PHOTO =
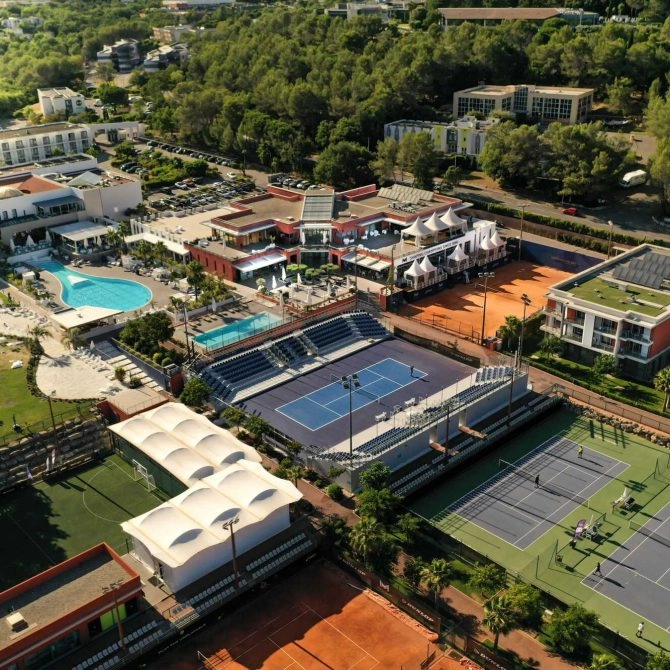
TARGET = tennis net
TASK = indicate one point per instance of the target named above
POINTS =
(639, 528)
(505, 466)
(369, 394)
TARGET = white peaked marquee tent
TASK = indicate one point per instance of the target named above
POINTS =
(184, 537)
(418, 230)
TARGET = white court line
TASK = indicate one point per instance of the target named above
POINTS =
(288, 416)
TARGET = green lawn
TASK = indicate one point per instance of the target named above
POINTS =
(537, 563)
(18, 404)
(47, 523)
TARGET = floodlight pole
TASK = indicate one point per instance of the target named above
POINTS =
(523, 211)
(229, 525)
(517, 364)
(188, 351)
(526, 301)
(485, 276)
(349, 382)
(113, 588)
(53, 422)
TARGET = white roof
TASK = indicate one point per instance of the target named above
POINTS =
(226, 481)
(415, 270)
(497, 240)
(172, 246)
(426, 265)
(80, 316)
(457, 255)
(418, 229)
(435, 224)
(452, 219)
(80, 230)
(186, 444)
(486, 244)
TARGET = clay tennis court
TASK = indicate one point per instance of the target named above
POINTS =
(317, 619)
(460, 309)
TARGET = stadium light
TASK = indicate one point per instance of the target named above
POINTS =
(53, 422)
(229, 525)
(349, 383)
(523, 211)
(113, 588)
(519, 354)
(609, 239)
(485, 276)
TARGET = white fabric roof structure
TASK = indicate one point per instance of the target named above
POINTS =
(435, 224)
(418, 229)
(426, 265)
(451, 219)
(458, 255)
(176, 248)
(80, 230)
(486, 244)
(415, 270)
(497, 240)
(185, 535)
(80, 316)
(87, 178)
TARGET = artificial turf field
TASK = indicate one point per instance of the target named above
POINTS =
(629, 559)
(45, 524)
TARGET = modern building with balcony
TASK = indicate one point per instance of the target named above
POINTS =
(545, 103)
(620, 307)
(124, 55)
(19, 146)
(62, 102)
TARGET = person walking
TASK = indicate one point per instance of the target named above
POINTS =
(537, 481)
(597, 572)
(580, 451)
(640, 629)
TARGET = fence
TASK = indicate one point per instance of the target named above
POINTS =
(450, 326)
(448, 350)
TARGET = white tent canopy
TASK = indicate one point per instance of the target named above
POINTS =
(486, 244)
(185, 536)
(415, 270)
(418, 229)
(451, 219)
(458, 255)
(435, 224)
(497, 240)
(426, 265)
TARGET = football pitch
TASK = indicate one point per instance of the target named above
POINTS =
(562, 498)
(45, 524)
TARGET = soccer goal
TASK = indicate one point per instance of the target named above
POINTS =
(141, 473)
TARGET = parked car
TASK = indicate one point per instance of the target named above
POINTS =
(572, 211)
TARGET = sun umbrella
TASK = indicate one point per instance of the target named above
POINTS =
(274, 282)
(283, 273)
(299, 279)
(30, 242)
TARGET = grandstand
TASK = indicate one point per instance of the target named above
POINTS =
(241, 376)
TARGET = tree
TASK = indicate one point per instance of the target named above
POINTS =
(436, 576)
(335, 531)
(662, 383)
(571, 629)
(344, 165)
(233, 415)
(412, 571)
(195, 392)
(72, 339)
(387, 155)
(452, 176)
(499, 617)
(145, 333)
(105, 72)
(366, 538)
(604, 364)
(257, 426)
(418, 154)
(659, 661)
(38, 333)
(619, 95)
(527, 603)
(409, 525)
(378, 504)
(294, 473)
(377, 476)
(195, 276)
(551, 346)
(488, 579)
(605, 662)
(511, 331)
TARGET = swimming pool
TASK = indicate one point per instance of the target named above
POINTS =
(240, 330)
(79, 289)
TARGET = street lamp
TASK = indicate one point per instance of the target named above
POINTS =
(349, 383)
(609, 239)
(188, 351)
(526, 301)
(355, 276)
(113, 588)
(523, 211)
(485, 276)
(228, 525)
(53, 422)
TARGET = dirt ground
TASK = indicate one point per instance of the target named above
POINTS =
(461, 308)
(317, 619)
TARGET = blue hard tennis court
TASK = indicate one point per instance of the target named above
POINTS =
(331, 402)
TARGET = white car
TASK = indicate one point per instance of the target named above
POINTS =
(231, 175)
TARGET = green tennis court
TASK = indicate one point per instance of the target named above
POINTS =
(556, 561)
(44, 524)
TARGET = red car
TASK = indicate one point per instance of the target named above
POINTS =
(572, 211)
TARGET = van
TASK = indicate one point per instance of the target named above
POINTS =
(634, 178)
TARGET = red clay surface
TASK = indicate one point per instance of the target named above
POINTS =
(317, 619)
(460, 309)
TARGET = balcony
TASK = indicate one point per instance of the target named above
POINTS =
(554, 330)
(572, 337)
(608, 330)
(636, 355)
(603, 346)
(636, 336)
(577, 320)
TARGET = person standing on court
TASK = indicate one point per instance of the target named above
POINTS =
(597, 572)
(537, 481)
(411, 371)
(580, 451)
(640, 629)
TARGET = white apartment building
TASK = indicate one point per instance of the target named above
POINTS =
(465, 136)
(124, 55)
(61, 101)
(34, 143)
(546, 103)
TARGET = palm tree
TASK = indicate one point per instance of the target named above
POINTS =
(662, 383)
(436, 575)
(366, 538)
(499, 617)
(551, 346)
(72, 339)
(38, 333)
(294, 473)
(161, 252)
(605, 662)
(195, 276)
(511, 330)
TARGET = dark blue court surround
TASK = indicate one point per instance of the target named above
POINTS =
(330, 403)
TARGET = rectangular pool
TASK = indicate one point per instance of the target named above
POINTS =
(240, 330)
